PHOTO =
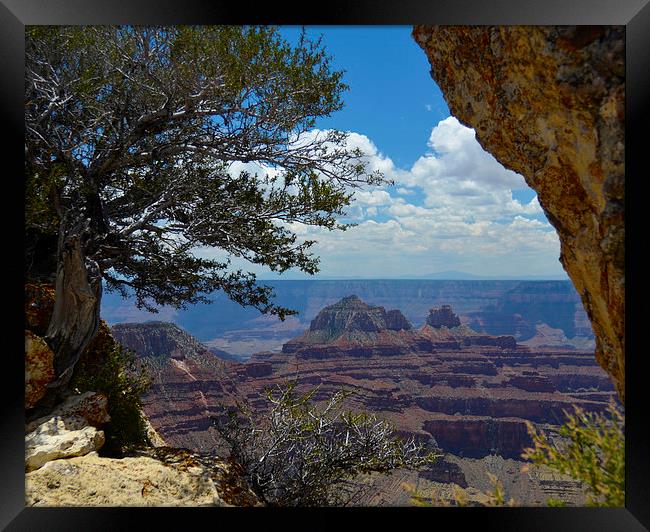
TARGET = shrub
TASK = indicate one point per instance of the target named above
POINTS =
(302, 455)
(590, 447)
(109, 368)
(460, 497)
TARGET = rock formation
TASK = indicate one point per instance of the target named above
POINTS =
(351, 327)
(39, 368)
(548, 103)
(164, 476)
(39, 357)
(488, 306)
(351, 314)
(442, 317)
(157, 339)
(470, 391)
(133, 481)
(70, 430)
(189, 382)
(63, 437)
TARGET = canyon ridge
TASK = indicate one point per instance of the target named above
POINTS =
(451, 387)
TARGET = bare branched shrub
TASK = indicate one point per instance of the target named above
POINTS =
(304, 455)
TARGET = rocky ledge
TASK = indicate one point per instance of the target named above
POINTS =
(549, 103)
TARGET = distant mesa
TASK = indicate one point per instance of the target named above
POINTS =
(470, 391)
(443, 317)
(396, 321)
(351, 326)
(352, 314)
(163, 339)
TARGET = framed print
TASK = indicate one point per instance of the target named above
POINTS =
(425, 202)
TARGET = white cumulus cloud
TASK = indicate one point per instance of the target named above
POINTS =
(453, 209)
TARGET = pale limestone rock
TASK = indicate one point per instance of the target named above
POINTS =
(154, 437)
(90, 406)
(60, 437)
(94, 481)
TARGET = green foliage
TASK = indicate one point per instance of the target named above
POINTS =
(301, 454)
(555, 503)
(589, 447)
(114, 372)
(155, 142)
(498, 496)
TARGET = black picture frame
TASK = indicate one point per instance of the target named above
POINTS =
(634, 14)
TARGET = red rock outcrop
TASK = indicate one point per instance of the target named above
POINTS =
(39, 358)
(548, 103)
(39, 368)
(352, 328)
(471, 387)
(442, 317)
(469, 436)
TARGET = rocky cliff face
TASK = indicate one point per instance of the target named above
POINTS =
(157, 339)
(470, 391)
(189, 382)
(351, 314)
(548, 103)
(351, 327)
(490, 306)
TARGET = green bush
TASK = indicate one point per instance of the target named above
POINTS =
(113, 371)
(589, 447)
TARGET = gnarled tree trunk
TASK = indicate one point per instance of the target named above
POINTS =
(75, 318)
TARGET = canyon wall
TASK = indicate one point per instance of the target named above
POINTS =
(548, 103)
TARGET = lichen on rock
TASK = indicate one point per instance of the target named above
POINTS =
(548, 103)
(134, 481)
(39, 368)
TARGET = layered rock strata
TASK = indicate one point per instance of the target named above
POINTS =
(468, 397)
(353, 328)
(189, 382)
(471, 392)
(548, 103)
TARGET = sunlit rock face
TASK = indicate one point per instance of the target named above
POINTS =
(548, 103)
(351, 327)
(471, 391)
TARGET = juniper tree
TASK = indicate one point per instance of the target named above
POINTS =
(131, 140)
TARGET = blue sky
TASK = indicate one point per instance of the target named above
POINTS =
(453, 206)
(390, 87)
